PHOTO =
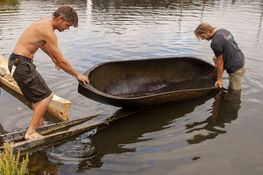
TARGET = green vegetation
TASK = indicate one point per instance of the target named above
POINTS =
(10, 164)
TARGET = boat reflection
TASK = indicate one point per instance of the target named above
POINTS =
(224, 110)
(149, 121)
(88, 150)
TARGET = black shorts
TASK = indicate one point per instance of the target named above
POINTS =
(31, 83)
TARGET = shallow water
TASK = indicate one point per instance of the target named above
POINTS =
(211, 135)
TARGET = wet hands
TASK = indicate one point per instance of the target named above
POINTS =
(83, 79)
(219, 83)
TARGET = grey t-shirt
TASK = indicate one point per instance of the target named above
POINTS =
(223, 43)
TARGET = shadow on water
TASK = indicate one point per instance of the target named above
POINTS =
(89, 149)
(225, 110)
(134, 128)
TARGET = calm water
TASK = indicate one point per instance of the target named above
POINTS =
(211, 135)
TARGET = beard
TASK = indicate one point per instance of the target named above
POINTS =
(60, 28)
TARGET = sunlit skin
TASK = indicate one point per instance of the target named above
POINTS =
(218, 60)
(41, 34)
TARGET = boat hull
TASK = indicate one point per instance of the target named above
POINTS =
(149, 82)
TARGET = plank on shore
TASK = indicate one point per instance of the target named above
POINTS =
(58, 107)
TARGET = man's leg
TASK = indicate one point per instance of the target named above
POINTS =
(41, 121)
(39, 109)
(235, 79)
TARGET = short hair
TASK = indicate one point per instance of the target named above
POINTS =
(68, 14)
(203, 28)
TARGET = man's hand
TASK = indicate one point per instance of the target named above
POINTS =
(83, 79)
(219, 83)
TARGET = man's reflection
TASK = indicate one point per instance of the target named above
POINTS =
(224, 110)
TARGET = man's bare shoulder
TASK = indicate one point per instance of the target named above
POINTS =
(42, 28)
(42, 24)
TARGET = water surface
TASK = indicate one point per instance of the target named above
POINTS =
(211, 135)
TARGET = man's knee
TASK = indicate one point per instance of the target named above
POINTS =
(51, 96)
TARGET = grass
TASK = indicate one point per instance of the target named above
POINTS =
(11, 164)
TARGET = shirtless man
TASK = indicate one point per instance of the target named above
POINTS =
(41, 34)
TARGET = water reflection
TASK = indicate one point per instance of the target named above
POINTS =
(39, 164)
(141, 3)
(260, 23)
(144, 29)
(130, 130)
(9, 2)
(202, 10)
(224, 110)
(88, 151)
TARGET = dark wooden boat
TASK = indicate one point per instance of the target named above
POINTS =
(149, 82)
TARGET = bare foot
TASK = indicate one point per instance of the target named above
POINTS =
(33, 136)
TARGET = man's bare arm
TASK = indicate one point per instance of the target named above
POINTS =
(55, 53)
(219, 62)
(45, 49)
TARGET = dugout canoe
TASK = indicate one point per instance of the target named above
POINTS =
(149, 82)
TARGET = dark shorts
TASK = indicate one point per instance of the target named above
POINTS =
(31, 83)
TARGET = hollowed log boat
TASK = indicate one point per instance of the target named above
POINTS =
(149, 82)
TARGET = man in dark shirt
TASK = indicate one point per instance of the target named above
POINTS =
(227, 54)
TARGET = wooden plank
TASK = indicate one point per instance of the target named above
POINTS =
(58, 107)
(62, 136)
(45, 130)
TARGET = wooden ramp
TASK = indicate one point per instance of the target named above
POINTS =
(58, 133)
(58, 107)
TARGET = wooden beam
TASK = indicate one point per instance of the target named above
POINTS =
(53, 136)
(44, 130)
(58, 107)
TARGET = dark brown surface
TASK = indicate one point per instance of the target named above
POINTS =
(148, 82)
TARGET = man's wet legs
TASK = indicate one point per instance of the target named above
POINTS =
(39, 110)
